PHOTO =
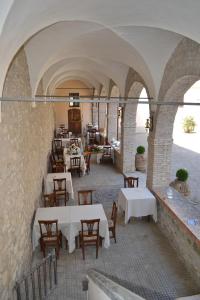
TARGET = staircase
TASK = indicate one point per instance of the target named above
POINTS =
(39, 282)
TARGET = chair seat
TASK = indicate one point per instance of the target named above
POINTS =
(88, 238)
(49, 239)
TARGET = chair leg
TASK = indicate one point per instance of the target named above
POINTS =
(83, 250)
(114, 235)
(97, 248)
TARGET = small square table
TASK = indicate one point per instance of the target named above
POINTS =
(49, 182)
(137, 202)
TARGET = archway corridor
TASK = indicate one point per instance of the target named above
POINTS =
(83, 84)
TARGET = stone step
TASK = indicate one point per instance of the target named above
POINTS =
(195, 297)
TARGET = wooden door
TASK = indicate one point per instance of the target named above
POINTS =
(74, 120)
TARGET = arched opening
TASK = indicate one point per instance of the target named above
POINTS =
(141, 117)
(134, 118)
(186, 148)
(113, 117)
(65, 113)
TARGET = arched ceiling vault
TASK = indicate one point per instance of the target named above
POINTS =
(120, 34)
(64, 76)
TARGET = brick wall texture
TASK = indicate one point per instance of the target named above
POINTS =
(25, 134)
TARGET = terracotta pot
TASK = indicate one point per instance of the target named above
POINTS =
(140, 162)
(181, 186)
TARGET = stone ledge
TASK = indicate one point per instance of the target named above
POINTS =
(183, 210)
(179, 221)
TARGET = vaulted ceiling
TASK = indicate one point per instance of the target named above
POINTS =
(95, 41)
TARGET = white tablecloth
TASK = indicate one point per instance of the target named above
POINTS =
(67, 161)
(69, 222)
(49, 182)
(137, 202)
(66, 142)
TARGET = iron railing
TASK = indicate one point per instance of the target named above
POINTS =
(39, 282)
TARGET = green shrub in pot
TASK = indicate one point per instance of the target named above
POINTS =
(182, 175)
(140, 149)
(140, 160)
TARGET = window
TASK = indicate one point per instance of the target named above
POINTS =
(74, 96)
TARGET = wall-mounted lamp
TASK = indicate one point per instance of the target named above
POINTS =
(119, 112)
(149, 124)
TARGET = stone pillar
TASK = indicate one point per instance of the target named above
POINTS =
(112, 121)
(159, 161)
(128, 144)
(95, 113)
(102, 116)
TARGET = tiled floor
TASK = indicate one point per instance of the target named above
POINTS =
(141, 260)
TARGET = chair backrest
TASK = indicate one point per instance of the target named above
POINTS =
(59, 168)
(75, 162)
(58, 144)
(114, 213)
(59, 184)
(85, 197)
(131, 182)
(74, 141)
(90, 228)
(49, 200)
(48, 228)
(92, 134)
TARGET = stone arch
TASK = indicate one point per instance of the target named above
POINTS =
(112, 115)
(181, 72)
(128, 142)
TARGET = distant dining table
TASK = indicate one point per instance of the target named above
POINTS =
(137, 202)
(69, 218)
(67, 160)
(49, 182)
(66, 142)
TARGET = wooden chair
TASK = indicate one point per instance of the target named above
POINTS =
(112, 221)
(58, 148)
(87, 156)
(89, 235)
(75, 165)
(85, 197)
(56, 164)
(74, 141)
(50, 236)
(60, 190)
(131, 182)
(107, 154)
(92, 137)
(59, 168)
(49, 200)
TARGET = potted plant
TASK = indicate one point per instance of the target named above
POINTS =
(140, 160)
(189, 124)
(180, 183)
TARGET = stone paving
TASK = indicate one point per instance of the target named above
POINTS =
(141, 260)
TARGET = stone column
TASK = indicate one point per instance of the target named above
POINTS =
(95, 113)
(112, 121)
(102, 116)
(128, 143)
(159, 161)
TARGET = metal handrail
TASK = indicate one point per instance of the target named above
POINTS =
(39, 282)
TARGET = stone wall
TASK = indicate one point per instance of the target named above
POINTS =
(186, 245)
(26, 135)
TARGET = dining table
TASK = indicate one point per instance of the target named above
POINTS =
(49, 182)
(67, 141)
(67, 160)
(137, 202)
(69, 222)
